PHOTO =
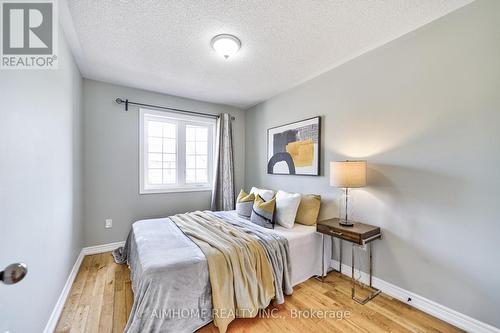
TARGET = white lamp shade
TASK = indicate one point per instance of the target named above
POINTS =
(348, 174)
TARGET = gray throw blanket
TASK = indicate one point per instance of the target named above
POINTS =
(170, 278)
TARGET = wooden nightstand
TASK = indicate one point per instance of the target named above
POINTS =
(358, 235)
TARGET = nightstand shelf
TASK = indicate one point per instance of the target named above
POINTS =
(359, 234)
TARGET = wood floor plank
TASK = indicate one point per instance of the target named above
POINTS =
(106, 317)
(98, 294)
(80, 320)
(120, 314)
(101, 299)
(90, 282)
(70, 308)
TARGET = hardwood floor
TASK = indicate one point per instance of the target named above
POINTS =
(101, 299)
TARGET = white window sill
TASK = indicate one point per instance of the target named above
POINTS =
(176, 190)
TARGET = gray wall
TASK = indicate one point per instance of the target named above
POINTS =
(111, 161)
(40, 209)
(424, 110)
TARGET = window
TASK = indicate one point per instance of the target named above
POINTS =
(176, 152)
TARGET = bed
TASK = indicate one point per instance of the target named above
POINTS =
(172, 283)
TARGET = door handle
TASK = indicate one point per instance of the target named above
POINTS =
(13, 273)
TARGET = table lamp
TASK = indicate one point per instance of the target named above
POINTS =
(347, 174)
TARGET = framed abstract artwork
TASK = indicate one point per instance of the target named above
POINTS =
(294, 149)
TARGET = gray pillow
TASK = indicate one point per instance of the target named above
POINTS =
(244, 203)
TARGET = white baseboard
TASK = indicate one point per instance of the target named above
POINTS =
(442, 312)
(101, 248)
(56, 313)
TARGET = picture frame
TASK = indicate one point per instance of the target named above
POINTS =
(295, 148)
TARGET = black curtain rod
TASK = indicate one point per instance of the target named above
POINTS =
(127, 103)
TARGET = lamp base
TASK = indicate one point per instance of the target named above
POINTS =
(346, 223)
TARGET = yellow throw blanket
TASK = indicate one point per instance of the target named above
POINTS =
(241, 275)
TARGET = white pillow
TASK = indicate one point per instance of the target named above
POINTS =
(264, 194)
(287, 205)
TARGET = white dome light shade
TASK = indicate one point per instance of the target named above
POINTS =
(226, 45)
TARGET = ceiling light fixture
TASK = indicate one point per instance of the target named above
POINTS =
(226, 45)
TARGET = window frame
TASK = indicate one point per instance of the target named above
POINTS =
(181, 121)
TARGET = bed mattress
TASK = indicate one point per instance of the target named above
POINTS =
(305, 251)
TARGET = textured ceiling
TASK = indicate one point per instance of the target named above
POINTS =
(164, 46)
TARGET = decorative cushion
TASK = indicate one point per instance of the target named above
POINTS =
(286, 208)
(308, 209)
(264, 194)
(263, 212)
(244, 203)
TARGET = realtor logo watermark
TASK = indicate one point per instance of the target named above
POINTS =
(29, 34)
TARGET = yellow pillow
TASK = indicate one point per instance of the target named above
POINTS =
(245, 197)
(263, 212)
(308, 209)
(244, 203)
(267, 206)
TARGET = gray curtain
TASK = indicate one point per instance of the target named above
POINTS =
(223, 191)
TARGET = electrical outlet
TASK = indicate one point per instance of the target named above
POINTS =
(108, 223)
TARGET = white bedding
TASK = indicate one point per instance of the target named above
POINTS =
(305, 251)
